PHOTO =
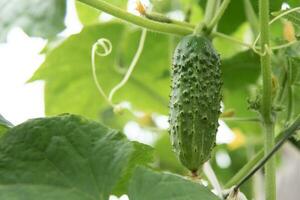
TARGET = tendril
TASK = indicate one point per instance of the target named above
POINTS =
(132, 65)
(106, 46)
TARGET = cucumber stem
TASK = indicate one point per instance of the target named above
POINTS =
(218, 16)
(266, 105)
(172, 29)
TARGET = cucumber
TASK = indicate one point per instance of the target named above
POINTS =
(195, 100)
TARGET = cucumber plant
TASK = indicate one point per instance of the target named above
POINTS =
(206, 62)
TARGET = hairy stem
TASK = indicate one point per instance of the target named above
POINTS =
(140, 21)
(266, 104)
(241, 119)
(270, 170)
(265, 62)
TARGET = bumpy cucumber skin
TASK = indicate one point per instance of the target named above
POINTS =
(195, 100)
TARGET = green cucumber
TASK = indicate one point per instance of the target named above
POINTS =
(195, 100)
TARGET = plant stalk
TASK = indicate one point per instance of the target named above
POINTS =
(210, 10)
(266, 104)
(270, 170)
(172, 29)
(218, 15)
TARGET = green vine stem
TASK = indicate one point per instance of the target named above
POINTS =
(247, 167)
(241, 119)
(162, 18)
(287, 135)
(210, 10)
(251, 16)
(172, 29)
(218, 15)
(266, 104)
(131, 67)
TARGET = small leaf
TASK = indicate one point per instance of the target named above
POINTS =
(149, 185)
(64, 158)
(36, 17)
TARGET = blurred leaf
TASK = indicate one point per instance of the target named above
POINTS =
(239, 72)
(165, 5)
(36, 17)
(68, 75)
(119, 3)
(142, 155)
(222, 44)
(87, 14)
(4, 125)
(66, 157)
(294, 63)
(149, 185)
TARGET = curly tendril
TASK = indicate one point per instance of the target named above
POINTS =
(132, 65)
(106, 46)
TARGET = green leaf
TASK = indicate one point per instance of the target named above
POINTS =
(36, 17)
(143, 154)
(65, 157)
(4, 125)
(148, 185)
(68, 75)
(87, 14)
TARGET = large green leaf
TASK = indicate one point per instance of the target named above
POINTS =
(37, 17)
(65, 158)
(148, 185)
(68, 75)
